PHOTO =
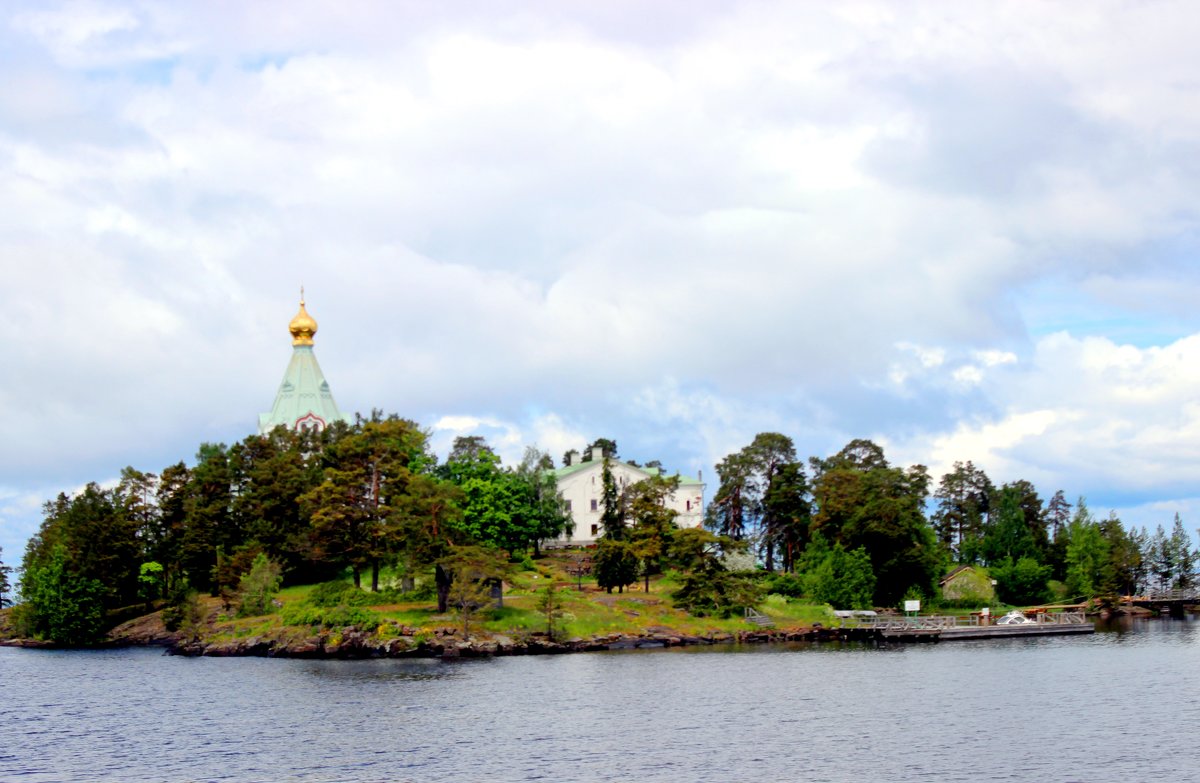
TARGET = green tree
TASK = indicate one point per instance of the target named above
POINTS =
(653, 521)
(5, 585)
(708, 587)
(844, 580)
(787, 515)
(550, 605)
(209, 523)
(513, 509)
(733, 506)
(612, 509)
(64, 606)
(258, 587)
(364, 491)
(1058, 515)
(172, 498)
(607, 446)
(427, 523)
(1182, 555)
(270, 473)
(99, 542)
(1022, 582)
(1009, 536)
(1124, 557)
(964, 501)
(544, 513)
(1088, 558)
(615, 564)
(150, 581)
(476, 578)
(1161, 557)
(862, 501)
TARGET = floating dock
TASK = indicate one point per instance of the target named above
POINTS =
(933, 628)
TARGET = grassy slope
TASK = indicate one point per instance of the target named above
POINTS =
(587, 613)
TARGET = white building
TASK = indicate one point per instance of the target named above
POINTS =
(582, 487)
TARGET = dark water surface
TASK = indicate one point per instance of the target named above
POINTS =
(1117, 706)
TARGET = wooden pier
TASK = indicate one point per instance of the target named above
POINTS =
(1173, 602)
(948, 628)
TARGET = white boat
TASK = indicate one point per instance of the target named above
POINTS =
(1015, 618)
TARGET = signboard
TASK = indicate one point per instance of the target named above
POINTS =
(985, 611)
(912, 606)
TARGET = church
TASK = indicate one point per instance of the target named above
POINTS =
(304, 400)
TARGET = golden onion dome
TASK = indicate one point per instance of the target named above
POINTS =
(302, 327)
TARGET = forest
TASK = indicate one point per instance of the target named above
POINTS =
(853, 518)
(359, 501)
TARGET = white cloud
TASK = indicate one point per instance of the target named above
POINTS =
(558, 223)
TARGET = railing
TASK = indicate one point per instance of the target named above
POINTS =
(1189, 594)
(758, 618)
(939, 622)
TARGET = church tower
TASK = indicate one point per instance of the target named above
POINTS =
(303, 400)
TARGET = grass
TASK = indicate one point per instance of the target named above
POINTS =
(586, 613)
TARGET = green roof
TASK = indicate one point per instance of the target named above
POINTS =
(304, 393)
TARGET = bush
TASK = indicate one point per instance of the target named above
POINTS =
(329, 617)
(1023, 582)
(715, 591)
(337, 593)
(258, 587)
(61, 606)
(789, 585)
(842, 579)
(178, 606)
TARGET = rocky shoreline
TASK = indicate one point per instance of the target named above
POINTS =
(352, 643)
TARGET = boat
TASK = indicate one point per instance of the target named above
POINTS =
(1015, 617)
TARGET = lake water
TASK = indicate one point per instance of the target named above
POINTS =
(1117, 706)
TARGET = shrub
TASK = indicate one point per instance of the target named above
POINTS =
(337, 593)
(180, 604)
(257, 588)
(1022, 582)
(790, 585)
(329, 617)
(715, 591)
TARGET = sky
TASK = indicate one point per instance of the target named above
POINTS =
(965, 230)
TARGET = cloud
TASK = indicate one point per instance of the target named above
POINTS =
(1085, 415)
(942, 227)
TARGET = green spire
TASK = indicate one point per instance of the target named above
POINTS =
(304, 400)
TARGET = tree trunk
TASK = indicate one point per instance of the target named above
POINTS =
(443, 588)
(374, 576)
(406, 584)
(357, 578)
(647, 575)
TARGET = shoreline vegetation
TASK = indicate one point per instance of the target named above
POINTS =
(585, 618)
(357, 540)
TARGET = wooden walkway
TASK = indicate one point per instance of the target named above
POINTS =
(947, 627)
(1172, 601)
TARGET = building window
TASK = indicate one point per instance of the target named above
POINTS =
(594, 504)
(689, 505)
(595, 530)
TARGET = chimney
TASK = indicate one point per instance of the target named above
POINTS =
(571, 455)
(597, 454)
